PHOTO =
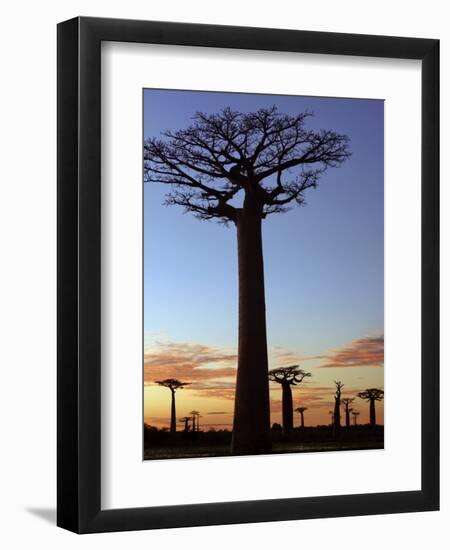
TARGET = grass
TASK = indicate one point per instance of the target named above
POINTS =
(211, 450)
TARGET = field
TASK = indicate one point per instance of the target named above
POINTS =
(159, 444)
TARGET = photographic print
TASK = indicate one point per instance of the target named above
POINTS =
(263, 274)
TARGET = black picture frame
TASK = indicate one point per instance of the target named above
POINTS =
(79, 280)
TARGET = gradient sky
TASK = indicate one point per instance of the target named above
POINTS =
(323, 273)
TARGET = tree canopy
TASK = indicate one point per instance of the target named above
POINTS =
(292, 376)
(271, 155)
(172, 383)
(372, 394)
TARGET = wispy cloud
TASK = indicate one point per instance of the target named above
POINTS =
(211, 371)
(363, 352)
(283, 357)
(204, 367)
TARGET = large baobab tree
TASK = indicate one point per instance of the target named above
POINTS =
(371, 395)
(301, 410)
(173, 386)
(347, 401)
(287, 377)
(337, 409)
(355, 415)
(240, 168)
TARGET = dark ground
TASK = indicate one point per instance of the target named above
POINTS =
(159, 444)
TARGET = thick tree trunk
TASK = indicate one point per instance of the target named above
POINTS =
(251, 426)
(288, 415)
(372, 413)
(303, 420)
(173, 418)
(347, 417)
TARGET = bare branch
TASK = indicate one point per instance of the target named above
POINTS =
(172, 383)
(372, 394)
(292, 376)
(266, 154)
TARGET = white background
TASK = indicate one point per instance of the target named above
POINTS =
(28, 274)
(126, 480)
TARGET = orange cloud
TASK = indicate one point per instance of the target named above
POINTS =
(204, 367)
(211, 371)
(363, 352)
(284, 357)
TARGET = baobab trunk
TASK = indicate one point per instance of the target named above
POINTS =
(288, 418)
(251, 426)
(372, 413)
(347, 417)
(173, 421)
(303, 420)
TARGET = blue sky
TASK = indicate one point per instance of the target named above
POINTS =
(323, 261)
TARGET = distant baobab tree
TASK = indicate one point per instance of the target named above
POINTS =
(301, 410)
(287, 377)
(185, 420)
(347, 401)
(195, 420)
(331, 413)
(173, 386)
(371, 395)
(355, 415)
(337, 409)
(270, 160)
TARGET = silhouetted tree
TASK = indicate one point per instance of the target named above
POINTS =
(185, 420)
(287, 377)
(337, 409)
(371, 395)
(331, 413)
(347, 401)
(355, 415)
(270, 160)
(173, 386)
(301, 410)
(195, 416)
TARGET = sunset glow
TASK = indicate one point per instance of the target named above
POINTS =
(212, 372)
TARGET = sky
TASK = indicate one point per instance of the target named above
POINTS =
(323, 265)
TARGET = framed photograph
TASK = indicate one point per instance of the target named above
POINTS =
(248, 274)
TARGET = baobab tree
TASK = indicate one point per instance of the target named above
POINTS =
(185, 420)
(301, 410)
(371, 395)
(287, 377)
(331, 413)
(355, 415)
(195, 420)
(337, 409)
(173, 386)
(265, 161)
(347, 401)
